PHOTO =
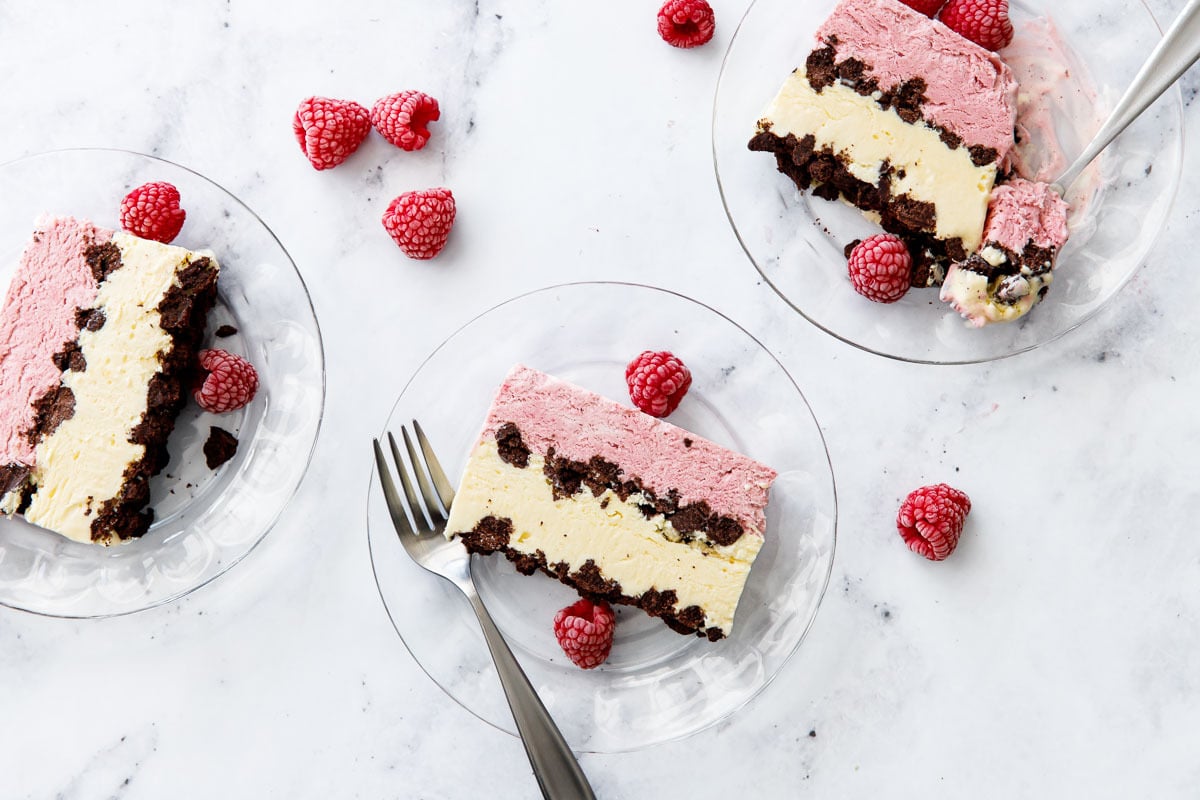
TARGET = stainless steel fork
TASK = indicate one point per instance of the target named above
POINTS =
(557, 772)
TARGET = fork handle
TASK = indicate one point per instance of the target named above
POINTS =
(554, 765)
(1174, 54)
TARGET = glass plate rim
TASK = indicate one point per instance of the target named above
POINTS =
(170, 598)
(373, 481)
(1175, 99)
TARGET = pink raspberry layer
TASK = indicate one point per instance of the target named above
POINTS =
(38, 318)
(1021, 211)
(969, 90)
(580, 424)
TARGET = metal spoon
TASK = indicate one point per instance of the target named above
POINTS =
(1178, 50)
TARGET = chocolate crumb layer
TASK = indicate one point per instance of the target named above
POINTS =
(220, 446)
(182, 311)
(492, 535)
(1030, 262)
(826, 173)
(1013, 274)
(907, 98)
(568, 478)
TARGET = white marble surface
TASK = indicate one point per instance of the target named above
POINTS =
(1054, 655)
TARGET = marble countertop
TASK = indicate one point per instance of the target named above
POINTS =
(1055, 654)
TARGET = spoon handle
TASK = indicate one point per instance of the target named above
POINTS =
(1178, 50)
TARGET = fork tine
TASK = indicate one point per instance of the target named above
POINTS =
(444, 489)
(414, 503)
(394, 504)
(431, 503)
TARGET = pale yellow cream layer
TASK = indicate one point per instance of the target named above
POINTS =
(856, 126)
(981, 301)
(83, 462)
(638, 552)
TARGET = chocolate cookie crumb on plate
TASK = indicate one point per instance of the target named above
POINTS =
(220, 447)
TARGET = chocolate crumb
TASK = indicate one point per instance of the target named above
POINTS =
(220, 447)
(91, 319)
(102, 259)
(225, 331)
(511, 446)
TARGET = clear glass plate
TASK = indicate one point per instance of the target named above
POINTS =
(657, 685)
(205, 521)
(796, 241)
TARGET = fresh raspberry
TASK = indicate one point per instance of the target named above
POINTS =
(657, 382)
(421, 221)
(686, 23)
(926, 7)
(403, 118)
(229, 381)
(330, 130)
(152, 211)
(585, 632)
(931, 520)
(984, 22)
(880, 268)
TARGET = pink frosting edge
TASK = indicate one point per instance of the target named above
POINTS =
(969, 90)
(51, 281)
(1023, 211)
(581, 424)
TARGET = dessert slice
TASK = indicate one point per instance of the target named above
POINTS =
(1026, 227)
(620, 505)
(97, 336)
(900, 116)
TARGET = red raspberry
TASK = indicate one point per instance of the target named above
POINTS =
(931, 520)
(152, 211)
(686, 23)
(984, 22)
(880, 268)
(585, 632)
(421, 221)
(403, 118)
(229, 381)
(657, 382)
(926, 7)
(330, 130)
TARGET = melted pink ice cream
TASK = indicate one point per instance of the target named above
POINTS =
(1022, 211)
(969, 90)
(580, 424)
(51, 282)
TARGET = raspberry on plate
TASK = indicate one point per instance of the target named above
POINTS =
(330, 130)
(931, 520)
(686, 23)
(420, 222)
(926, 7)
(984, 22)
(585, 632)
(657, 382)
(880, 268)
(229, 383)
(403, 118)
(152, 211)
